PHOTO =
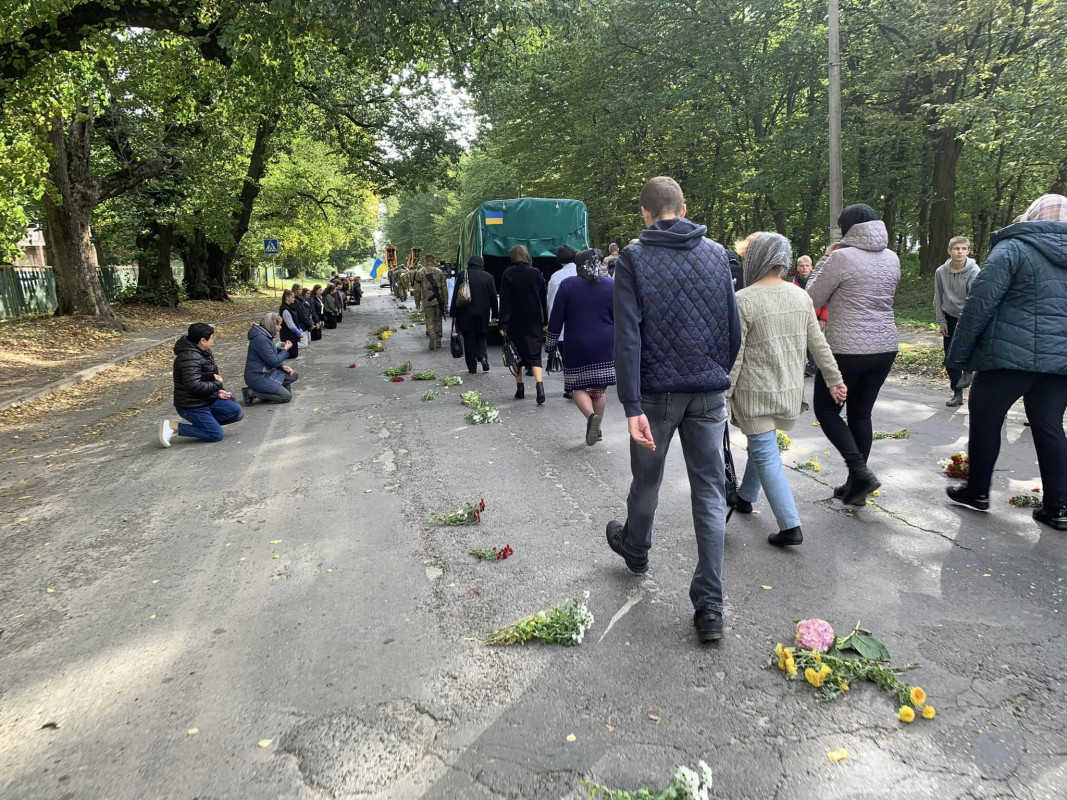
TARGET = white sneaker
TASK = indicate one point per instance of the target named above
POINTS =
(165, 433)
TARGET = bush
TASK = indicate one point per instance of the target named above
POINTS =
(914, 304)
(161, 296)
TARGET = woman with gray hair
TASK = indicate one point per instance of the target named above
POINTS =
(766, 394)
(267, 378)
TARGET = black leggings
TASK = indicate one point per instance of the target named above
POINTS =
(1045, 399)
(954, 374)
(864, 376)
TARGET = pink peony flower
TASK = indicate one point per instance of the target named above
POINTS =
(814, 634)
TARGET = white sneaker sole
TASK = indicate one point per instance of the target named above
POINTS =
(163, 439)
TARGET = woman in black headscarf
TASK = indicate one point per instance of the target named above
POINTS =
(523, 315)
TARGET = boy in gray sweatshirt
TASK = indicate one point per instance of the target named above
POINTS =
(952, 282)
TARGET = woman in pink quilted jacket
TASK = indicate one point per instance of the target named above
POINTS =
(857, 279)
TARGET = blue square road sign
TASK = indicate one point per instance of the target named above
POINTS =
(271, 247)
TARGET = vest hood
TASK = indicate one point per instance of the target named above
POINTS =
(678, 233)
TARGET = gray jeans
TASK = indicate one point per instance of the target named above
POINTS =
(699, 419)
(283, 394)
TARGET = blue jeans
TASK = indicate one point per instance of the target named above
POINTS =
(207, 421)
(764, 468)
(699, 419)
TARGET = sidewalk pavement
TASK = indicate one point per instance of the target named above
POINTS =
(134, 345)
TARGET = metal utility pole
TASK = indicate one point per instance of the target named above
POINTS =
(836, 171)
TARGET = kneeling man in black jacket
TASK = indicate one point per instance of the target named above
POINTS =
(199, 397)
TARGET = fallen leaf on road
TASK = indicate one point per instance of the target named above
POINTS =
(765, 586)
(24, 519)
(228, 543)
(475, 591)
(572, 738)
(50, 591)
(50, 726)
(152, 617)
(314, 409)
(329, 570)
(611, 728)
(156, 581)
(192, 731)
(654, 718)
(243, 558)
(241, 522)
(351, 366)
(265, 742)
(26, 497)
(837, 755)
(275, 556)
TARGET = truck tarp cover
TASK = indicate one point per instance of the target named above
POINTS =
(538, 224)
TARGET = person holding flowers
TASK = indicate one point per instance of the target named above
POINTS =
(778, 328)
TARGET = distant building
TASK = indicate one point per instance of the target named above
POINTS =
(33, 249)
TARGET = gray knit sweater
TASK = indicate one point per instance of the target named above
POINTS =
(778, 325)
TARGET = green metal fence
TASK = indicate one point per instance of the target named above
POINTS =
(30, 291)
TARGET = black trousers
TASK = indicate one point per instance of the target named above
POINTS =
(864, 376)
(954, 375)
(474, 349)
(1045, 400)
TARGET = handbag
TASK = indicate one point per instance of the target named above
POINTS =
(463, 292)
(731, 472)
(456, 344)
(510, 353)
(555, 362)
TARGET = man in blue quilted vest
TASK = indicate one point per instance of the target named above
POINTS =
(677, 333)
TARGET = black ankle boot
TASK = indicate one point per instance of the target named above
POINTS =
(844, 488)
(863, 483)
(787, 537)
(520, 391)
(540, 393)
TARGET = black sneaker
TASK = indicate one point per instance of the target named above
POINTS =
(787, 537)
(743, 506)
(964, 496)
(964, 381)
(247, 396)
(708, 624)
(863, 483)
(1054, 518)
(485, 365)
(638, 566)
(957, 400)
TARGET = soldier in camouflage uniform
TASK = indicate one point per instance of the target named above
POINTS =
(431, 285)
(417, 288)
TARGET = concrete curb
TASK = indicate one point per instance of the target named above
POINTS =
(91, 372)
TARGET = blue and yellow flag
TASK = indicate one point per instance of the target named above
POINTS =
(374, 270)
(494, 217)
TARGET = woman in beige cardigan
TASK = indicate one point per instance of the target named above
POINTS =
(766, 393)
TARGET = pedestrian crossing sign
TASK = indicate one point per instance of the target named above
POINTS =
(271, 247)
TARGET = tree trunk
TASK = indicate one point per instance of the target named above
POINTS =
(1060, 184)
(193, 250)
(154, 275)
(947, 150)
(69, 204)
(218, 268)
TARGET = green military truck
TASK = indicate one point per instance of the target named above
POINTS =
(540, 225)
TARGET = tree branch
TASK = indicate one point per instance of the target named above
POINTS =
(120, 182)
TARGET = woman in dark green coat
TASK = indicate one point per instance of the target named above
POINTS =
(1013, 335)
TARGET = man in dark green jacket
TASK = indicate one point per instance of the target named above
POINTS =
(1013, 335)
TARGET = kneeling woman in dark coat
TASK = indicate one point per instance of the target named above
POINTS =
(524, 315)
(267, 378)
(291, 330)
(472, 320)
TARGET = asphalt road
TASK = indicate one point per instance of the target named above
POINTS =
(165, 612)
